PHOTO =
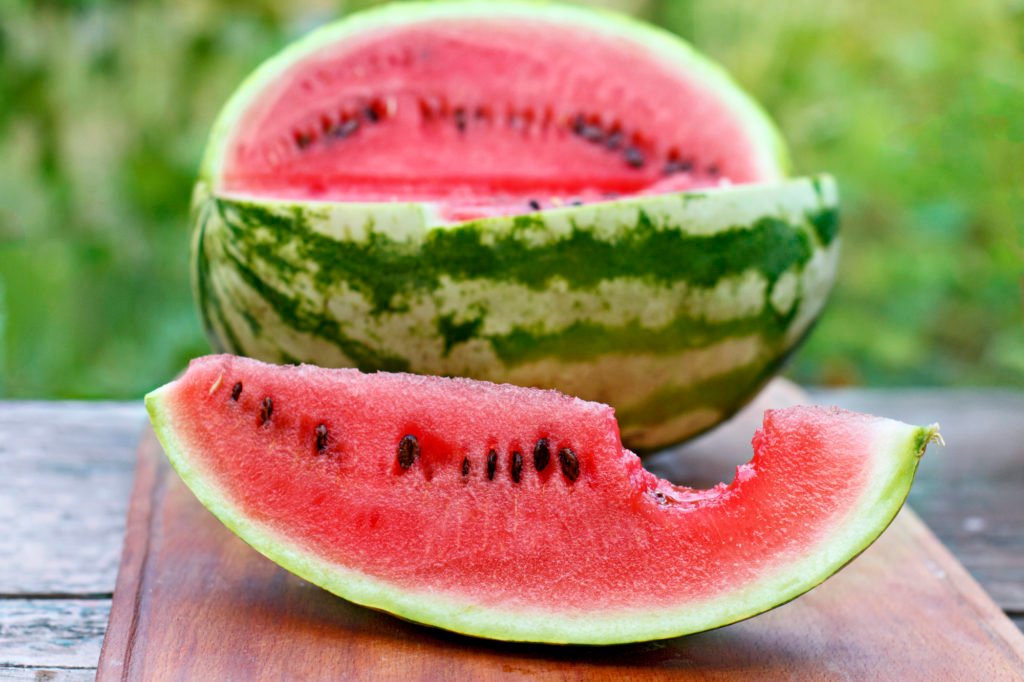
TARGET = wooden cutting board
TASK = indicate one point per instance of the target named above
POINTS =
(193, 602)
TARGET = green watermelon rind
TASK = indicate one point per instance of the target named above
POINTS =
(896, 452)
(391, 286)
(675, 52)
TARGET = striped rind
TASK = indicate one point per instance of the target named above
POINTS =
(768, 147)
(894, 450)
(672, 308)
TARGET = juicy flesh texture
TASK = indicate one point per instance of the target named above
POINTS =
(484, 116)
(615, 538)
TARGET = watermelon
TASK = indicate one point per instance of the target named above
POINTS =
(515, 513)
(449, 188)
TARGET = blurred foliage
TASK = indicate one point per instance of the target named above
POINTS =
(917, 108)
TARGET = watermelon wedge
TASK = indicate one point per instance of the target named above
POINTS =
(517, 192)
(514, 513)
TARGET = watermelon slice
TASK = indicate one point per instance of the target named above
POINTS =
(527, 193)
(515, 513)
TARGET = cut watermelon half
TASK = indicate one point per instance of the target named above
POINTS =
(515, 513)
(543, 195)
(487, 109)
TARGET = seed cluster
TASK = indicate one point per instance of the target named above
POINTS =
(613, 139)
(344, 123)
(409, 449)
(409, 452)
(266, 412)
(634, 148)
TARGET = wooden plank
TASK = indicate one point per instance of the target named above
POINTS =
(53, 632)
(193, 601)
(66, 477)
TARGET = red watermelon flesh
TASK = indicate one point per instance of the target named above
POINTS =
(421, 496)
(485, 113)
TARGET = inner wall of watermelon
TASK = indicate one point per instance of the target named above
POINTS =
(616, 538)
(486, 116)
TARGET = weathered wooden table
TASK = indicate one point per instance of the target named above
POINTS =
(66, 473)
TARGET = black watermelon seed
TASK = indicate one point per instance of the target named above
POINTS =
(541, 454)
(634, 157)
(678, 166)
(371, 114)
(346, 128)
(460, 119)
(534, 204)
(614, 140)
(664, 499)
(517, 466)
(321, 438)
(266, 410)
(713, 170)
(592, 133)
(492, 464)
(408, 451)
(578, 124)
(465, 467)
(588, 131)
(236, 391)
(570, 463)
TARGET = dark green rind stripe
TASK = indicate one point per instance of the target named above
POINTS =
(291, 312)
(381, 268)
(719, 392)
(826, 224)
(455, 333)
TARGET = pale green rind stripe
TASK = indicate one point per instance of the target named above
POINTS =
(895, 454)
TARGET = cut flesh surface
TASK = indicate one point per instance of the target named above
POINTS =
(485, 109)
(515, 513)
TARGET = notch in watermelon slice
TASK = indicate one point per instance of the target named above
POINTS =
(515, 513)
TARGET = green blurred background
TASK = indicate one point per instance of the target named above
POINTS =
(917, 108)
